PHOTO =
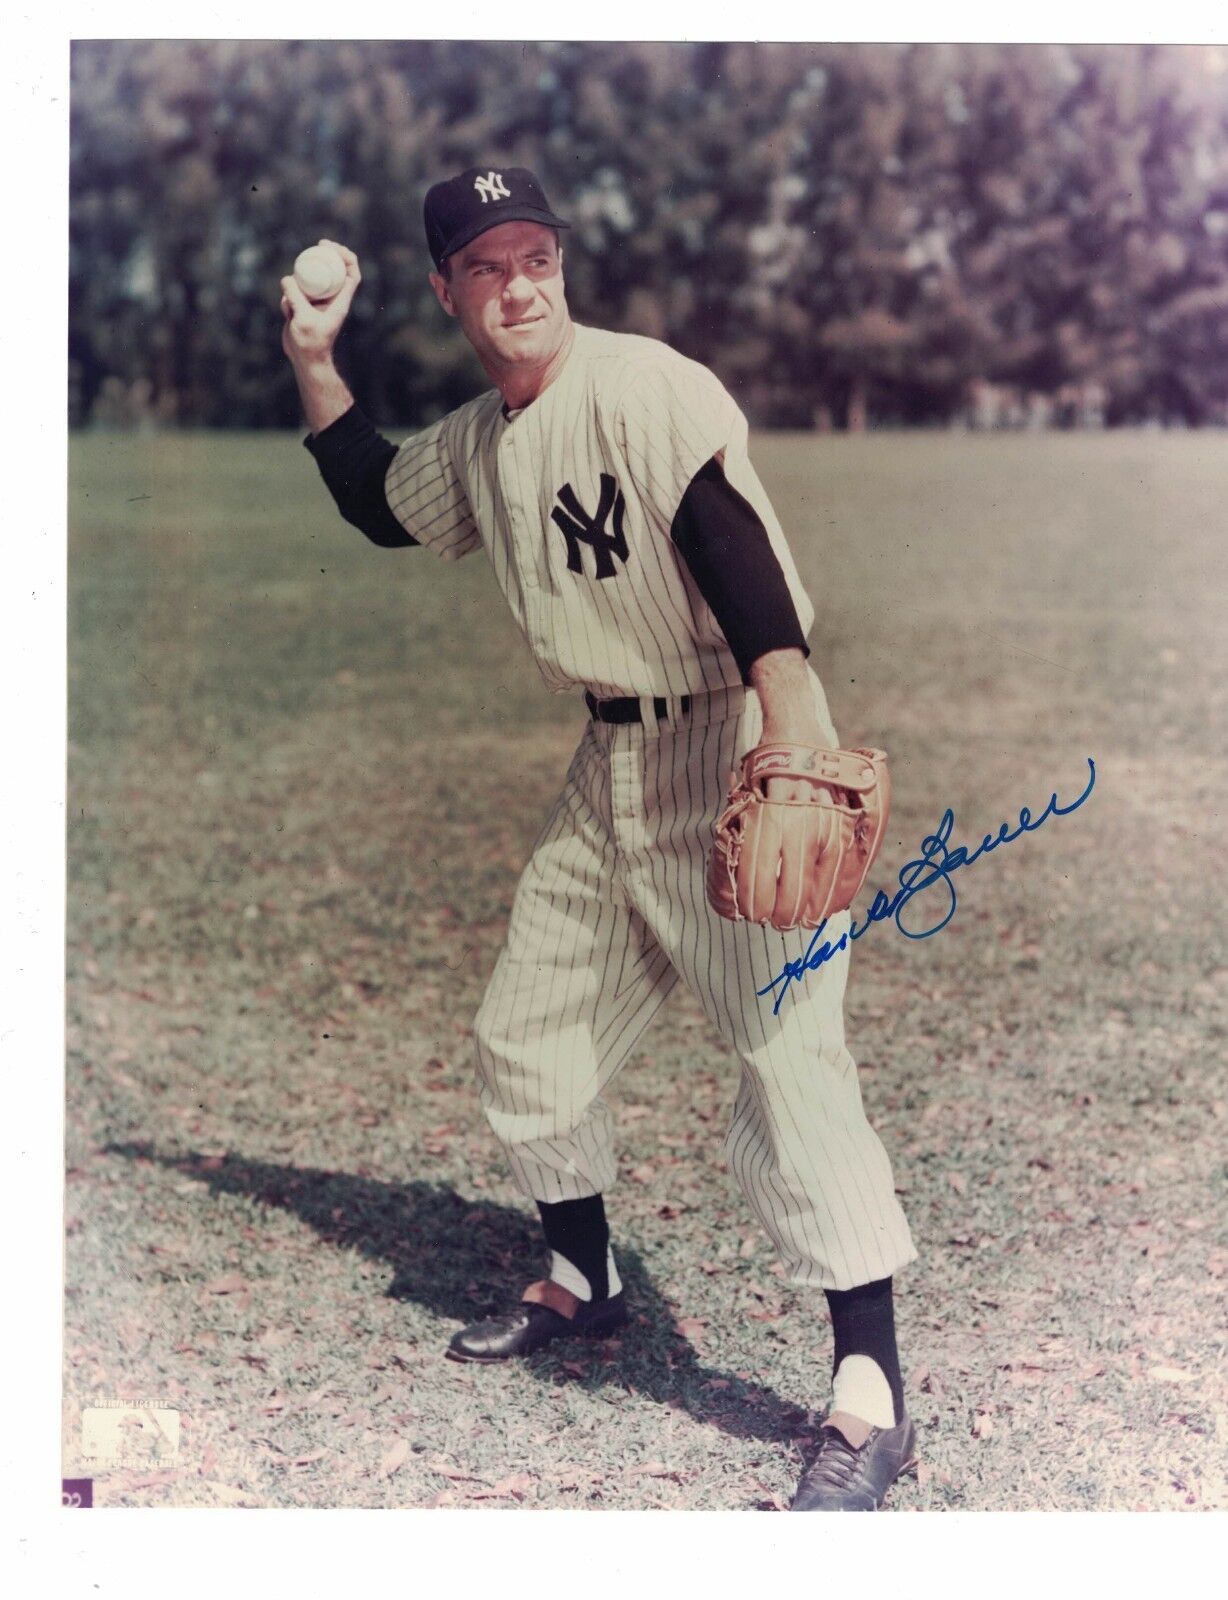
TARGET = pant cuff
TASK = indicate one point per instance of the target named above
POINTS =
(813, 1275)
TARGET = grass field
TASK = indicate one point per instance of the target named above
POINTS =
(303, 776)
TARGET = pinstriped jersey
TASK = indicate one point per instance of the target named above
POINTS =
(573, 499)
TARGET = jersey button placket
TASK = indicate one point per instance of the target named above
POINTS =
(526, 566)
(522, 541)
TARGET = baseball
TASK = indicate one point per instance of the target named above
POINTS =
(320, 272)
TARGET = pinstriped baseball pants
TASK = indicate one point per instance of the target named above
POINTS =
(609, 914)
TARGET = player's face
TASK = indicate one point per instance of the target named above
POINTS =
(506, 290)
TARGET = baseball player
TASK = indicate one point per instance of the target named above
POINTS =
(607, 479)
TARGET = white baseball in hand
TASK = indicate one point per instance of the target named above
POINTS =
(320, 272)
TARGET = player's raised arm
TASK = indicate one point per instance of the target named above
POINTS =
(352, 456)
(309, 334)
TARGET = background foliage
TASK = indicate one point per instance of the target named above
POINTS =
(847, 234)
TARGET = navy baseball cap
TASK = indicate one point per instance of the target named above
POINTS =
(460, 208)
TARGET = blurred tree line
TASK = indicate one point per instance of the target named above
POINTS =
(850, 235)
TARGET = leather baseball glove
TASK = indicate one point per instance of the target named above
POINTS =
(794, 862)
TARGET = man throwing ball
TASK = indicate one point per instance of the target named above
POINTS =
(607, 479)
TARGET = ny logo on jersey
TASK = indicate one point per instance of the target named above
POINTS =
(492, 187)
(579, 528)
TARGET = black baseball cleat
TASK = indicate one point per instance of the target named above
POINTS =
(537, 1322)
(857, 1463)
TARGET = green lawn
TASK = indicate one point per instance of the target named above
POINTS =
(303, 776)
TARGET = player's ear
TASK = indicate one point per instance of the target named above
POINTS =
(443, 293)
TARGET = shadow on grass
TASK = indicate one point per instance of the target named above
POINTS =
(462, 1259)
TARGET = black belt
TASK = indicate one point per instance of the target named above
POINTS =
(627, 709)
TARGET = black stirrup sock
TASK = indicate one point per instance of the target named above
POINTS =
(578, 1231)
(863, 1321)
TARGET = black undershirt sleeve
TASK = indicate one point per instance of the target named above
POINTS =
(728, 552)
(353, 460)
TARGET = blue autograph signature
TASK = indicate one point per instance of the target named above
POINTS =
(935, 864)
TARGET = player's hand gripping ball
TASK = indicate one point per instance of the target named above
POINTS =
(320, 272)
(794, 863)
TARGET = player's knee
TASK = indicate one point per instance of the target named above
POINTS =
(491, 1028)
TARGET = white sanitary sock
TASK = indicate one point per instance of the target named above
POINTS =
(861, 1387)
(563, 1272)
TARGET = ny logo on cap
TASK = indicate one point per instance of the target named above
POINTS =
(578, 528)
(492, 187)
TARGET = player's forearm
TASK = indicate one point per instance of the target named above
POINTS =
(323, 392)
(782, 681)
